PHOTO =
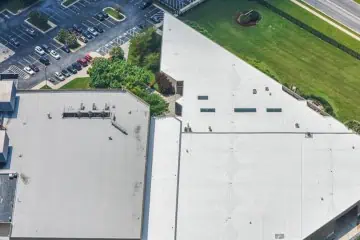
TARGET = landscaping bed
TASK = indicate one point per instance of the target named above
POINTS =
(15, 5)
(287, 52)
(118, 16)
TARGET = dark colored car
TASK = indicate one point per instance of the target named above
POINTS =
(65, 49)
(83, 62)
(105, 14)
(77, 66)
(99, 29)
(65, 73)
(141, 26)
(71, 69)
(44, 60)
(99, 16)
(34, 68)
(46, 48)
(15, 42)
(77, 28)
(88, 35)
(145, 4)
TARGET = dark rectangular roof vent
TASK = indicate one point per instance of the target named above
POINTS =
(203, 97)
(207, 109)
(274, 109)
(244, 110)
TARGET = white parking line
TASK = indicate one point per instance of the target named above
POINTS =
(30, 56)
(110, 22)
(70, 10)
(19, 36)
(21, 63)
(62, 10)
(101, 23)
(26, 60)
(7, 42)
(81, 4)
(85, 25)
(92, 22)
(138, 2)
(76, 8)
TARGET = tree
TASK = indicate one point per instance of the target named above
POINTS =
(106, 73)
(142, 45)
(39, 19)
(117, 53)
(152, 62)
(67, 38)
(165, 85)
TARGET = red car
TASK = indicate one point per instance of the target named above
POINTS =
(88, 58)
(82, 61)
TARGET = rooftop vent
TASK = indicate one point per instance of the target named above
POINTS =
(210, 129)
(279, 236)
(82, 107)
(244, 110)
(254, 91)
(207, 109)
(274, 109)
(94, 106)
(266, 88)
(297, 125)
(203, 97)
(107, 107)
(308, 135)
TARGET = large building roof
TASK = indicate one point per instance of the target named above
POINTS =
(79, 177)
(273, 168)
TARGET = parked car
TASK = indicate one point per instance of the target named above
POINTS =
(77, 28)
(39, 50)
(105, 14)
(92, 31)
(83, 62)
(77, 66)
(71, 69)
(88, 58)
(141, 26)
(99, 29)
(46, 48)
(15, 42)
(44, 60)
(65, 73)
(34, 68)
(87, 35)
(99, 17)
(59, 76)
(65, 49)
(145, 4)
(83, 39)
(54, 55)
(156, 19)
(30, 31)
(51, 80)
(28, 70)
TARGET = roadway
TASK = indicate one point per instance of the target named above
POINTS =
(346, 12)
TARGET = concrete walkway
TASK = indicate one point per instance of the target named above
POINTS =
(333, 23)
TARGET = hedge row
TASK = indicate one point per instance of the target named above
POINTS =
(311, 30)
(354, 125)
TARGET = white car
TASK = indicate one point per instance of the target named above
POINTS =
(93, 31)
(59, 76)
(54, 54)
(28, 70)
(39, 50)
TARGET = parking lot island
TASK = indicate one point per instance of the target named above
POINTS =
(115, 14)
(42, 30)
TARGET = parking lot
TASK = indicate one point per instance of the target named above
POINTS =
(81, 13)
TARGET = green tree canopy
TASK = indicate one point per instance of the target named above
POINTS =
(117, 53)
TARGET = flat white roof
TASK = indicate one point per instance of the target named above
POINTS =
(209, 70)
(256, 174)
(78, 177)
(6, 90)
(164, 177)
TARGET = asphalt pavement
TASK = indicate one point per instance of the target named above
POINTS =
(81, 13)
(346, 12)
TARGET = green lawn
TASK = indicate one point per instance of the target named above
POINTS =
(78, 83)
(358, 1)
(68, 2)
(15, 5)
(115, 14)
(286, 52)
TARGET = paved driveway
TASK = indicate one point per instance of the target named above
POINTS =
(80, 13)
